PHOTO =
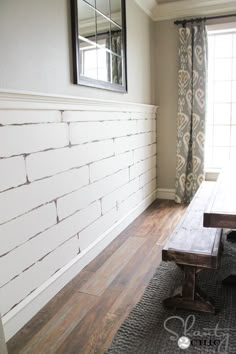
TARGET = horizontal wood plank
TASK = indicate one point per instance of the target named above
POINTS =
(221, 211)
(191, 243)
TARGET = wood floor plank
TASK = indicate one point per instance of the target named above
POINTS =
(134, 266)
(100, 280)
(87, 326)
(141, 226)
(132, 292)
(168, 224)
(100, 339)
(142, 267)
(108, 252)
(156, 221)
(61, 325)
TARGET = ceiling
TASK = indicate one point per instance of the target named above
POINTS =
(160, 10)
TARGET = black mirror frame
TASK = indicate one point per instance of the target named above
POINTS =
(77, 79)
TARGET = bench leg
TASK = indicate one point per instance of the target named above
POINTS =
(231, 236)
(230, 280)
(190, 296)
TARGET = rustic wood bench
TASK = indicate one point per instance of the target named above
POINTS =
(194, 248)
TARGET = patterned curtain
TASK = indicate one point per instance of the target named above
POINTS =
(191, 111)
(116, 60)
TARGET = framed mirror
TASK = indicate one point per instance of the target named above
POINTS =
(99, 44)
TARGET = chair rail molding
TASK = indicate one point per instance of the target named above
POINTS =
(177, 9)
(36, 100)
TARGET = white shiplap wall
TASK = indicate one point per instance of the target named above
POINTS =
(74, 173)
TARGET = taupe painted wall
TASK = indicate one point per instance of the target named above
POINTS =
(35, 43)
(166, 98)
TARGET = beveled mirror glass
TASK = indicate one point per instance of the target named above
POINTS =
(99, 43)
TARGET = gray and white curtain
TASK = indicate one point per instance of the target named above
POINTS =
(116, 60)
(192, 75)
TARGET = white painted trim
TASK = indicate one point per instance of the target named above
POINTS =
(10, 99)
(212, 175)
(3, 347)
(22, 313)
(178, 9)
(163, 193)
(148, 6)
(221, 27)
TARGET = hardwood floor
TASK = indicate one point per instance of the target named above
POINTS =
(85, 315)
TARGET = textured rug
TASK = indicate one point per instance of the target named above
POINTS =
(150, 328)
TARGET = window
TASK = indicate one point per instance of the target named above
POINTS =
(220, 144)
(94, 61)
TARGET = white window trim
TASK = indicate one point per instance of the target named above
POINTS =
(211, 174)
(221, 27)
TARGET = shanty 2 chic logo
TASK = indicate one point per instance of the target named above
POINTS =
(216, 338)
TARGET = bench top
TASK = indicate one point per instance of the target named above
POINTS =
(221, 211)
(191, 243)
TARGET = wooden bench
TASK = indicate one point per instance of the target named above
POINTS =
(194, 248)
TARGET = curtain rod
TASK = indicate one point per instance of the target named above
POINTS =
(199, 19)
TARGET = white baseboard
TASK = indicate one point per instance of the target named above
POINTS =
(3, 348)
(211, 175)
(163, 193)
(14, 320)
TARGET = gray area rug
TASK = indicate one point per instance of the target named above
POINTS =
(144, 331)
